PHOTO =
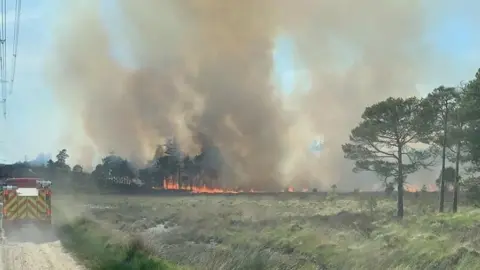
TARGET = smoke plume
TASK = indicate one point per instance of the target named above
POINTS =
(203, 73)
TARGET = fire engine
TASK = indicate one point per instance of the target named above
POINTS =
(26, 201)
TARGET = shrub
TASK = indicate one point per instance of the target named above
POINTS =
(96, 248)
(472, 187)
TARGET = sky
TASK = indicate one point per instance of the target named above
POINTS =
(34, 120)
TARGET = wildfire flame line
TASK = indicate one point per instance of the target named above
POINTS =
(416, 188)
(170, 184)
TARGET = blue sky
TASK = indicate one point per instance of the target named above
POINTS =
(33, 121)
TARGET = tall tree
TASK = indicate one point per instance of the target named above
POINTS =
(189, 169)
(50, 164)
(443, 101)
(458, 152)
(384, 140)
(471, 103)
(62, 157)
(173, 158)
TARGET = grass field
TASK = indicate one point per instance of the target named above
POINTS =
(290, 231)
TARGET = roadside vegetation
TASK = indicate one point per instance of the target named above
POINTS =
(295, 231)
(99, 248)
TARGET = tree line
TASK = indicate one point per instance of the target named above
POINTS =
(397, 137)
(117, 173)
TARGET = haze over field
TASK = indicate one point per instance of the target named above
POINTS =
(211, 63)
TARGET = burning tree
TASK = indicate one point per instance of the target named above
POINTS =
(384, 141)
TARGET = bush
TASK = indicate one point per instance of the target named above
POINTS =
(472, 188)
(389, 188)
(93, 246)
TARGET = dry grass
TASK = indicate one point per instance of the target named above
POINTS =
(291, 231)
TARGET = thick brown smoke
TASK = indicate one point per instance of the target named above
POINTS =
(204, 73)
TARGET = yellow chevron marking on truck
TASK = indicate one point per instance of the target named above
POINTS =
(27, 208)
(10, 205)
(19, 207)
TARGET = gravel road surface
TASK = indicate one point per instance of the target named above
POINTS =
(33, 249)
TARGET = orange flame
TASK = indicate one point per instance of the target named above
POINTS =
(411, 188)
(170, 184)
(416, 188)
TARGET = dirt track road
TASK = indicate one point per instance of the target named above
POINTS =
(31, 249)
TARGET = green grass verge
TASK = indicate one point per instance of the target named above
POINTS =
(306, 234)
(97, 250)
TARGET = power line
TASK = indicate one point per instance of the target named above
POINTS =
(3, 49)
(3, 53)
(16, 30)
